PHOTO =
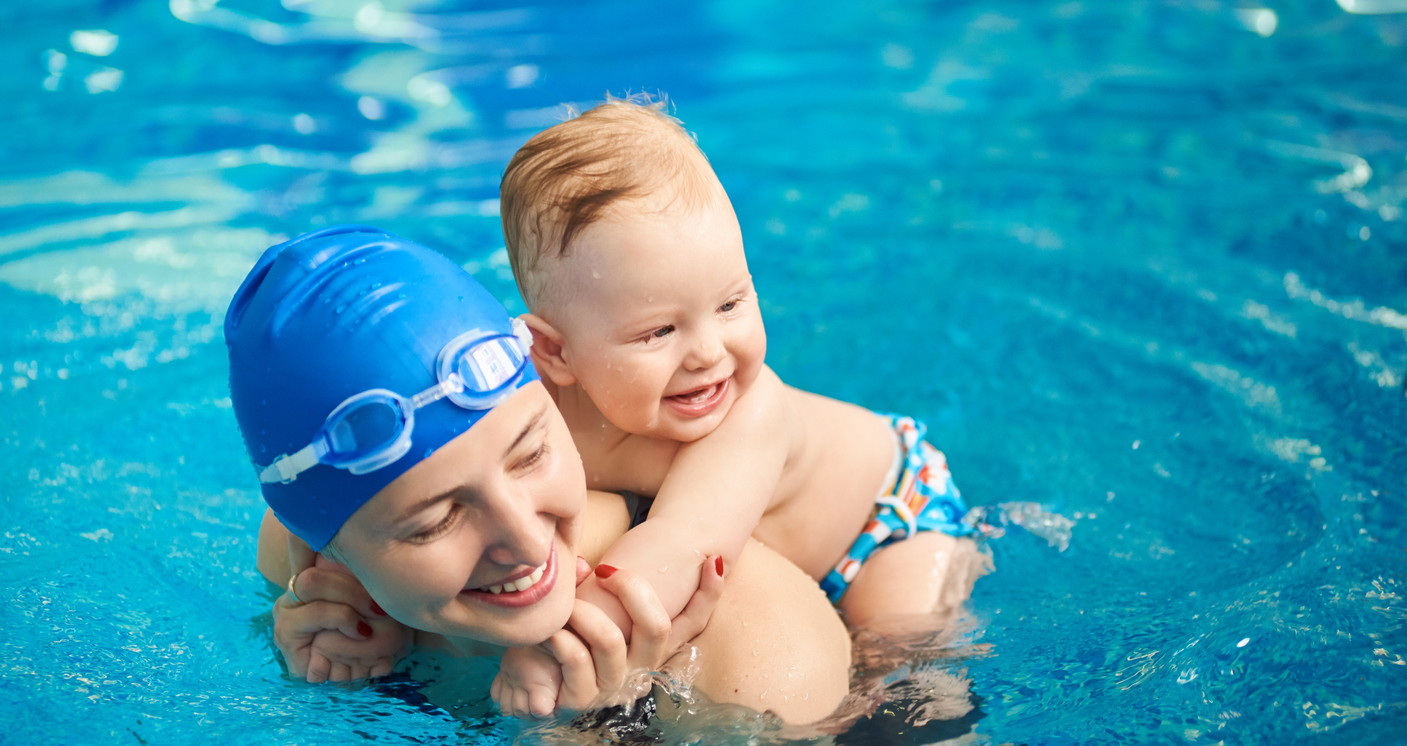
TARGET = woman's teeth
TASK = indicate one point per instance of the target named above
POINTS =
(521, 584)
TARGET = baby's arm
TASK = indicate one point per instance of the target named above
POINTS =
(715, 493)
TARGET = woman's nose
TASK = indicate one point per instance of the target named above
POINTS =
(517, 535)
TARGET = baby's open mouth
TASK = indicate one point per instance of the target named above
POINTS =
(701, 401)
(519, 585)
(698, 395)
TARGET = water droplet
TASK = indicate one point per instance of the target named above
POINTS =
(341, 308)
(326, 300)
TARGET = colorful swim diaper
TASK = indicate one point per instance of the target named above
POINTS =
(920, 496)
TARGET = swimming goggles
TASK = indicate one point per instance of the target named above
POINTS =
(370, 430)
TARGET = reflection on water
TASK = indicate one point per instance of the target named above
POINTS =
(1140, 262)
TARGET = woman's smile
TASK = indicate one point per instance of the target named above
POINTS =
(520, 589)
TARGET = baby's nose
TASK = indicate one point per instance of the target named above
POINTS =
(709, 353)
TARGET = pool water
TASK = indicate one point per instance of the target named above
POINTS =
(1143, 262)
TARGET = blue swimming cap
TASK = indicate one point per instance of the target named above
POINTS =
(331, 314)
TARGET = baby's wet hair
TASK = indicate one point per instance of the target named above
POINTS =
(570, 175)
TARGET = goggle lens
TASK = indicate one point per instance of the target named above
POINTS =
(486, 368)
(367, 427)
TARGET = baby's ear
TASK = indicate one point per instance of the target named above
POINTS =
(547, 351)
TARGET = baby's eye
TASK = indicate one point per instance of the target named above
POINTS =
(729, 306)
(662, 332)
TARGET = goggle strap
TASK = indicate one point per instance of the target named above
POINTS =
(524, 333)
(286, 468)
(437, 392)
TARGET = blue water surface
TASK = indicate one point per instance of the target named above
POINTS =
(1144, 262)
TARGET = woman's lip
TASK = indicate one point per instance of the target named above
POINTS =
(699, 409)
(519, 599)
(514, 577)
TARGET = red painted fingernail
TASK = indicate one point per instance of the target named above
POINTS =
(718, 565)
(364, 628)
(605, 571)
(377, 608)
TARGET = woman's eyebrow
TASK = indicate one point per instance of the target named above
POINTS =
(533, 424)
(411, 511)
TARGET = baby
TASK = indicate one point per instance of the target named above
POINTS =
(648, 334)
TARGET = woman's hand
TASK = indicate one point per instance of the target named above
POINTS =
(329, 628)
(598, 668)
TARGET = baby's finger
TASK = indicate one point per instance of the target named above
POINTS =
(583, 570)
(541, 702)
(692, 620)
(579, 687)
(521, 706)
(650, 632)
(609, 653)
(318, 669)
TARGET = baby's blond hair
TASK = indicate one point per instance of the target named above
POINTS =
(568, 176)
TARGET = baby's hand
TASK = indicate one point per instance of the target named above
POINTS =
(527, 683)
(333, 631)
(334, 656)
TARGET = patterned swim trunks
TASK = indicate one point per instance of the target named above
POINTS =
(920, 497)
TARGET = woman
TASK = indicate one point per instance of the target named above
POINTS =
(397, 426)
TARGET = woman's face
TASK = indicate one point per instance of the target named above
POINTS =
(499, 507)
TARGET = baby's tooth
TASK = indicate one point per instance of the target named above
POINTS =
(495, 589)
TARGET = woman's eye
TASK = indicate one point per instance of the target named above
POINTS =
(439, 529)
(532, 459)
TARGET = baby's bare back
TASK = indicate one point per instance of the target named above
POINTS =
(839, 458)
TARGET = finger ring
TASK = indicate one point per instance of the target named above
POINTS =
(296, 600)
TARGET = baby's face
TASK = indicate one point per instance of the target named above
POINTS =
(659, 318)
(493, 507)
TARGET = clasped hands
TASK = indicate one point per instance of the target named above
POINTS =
(329, 629)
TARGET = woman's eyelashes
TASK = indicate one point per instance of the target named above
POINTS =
(441, 528)
(531, 459)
